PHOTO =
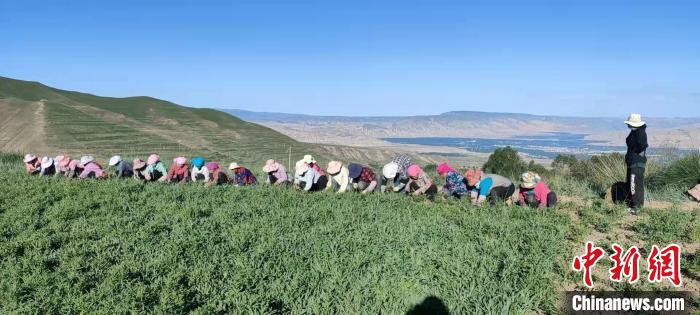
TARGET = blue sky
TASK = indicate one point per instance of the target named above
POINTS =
(581, 58)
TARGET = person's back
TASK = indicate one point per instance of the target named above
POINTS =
(636, 147)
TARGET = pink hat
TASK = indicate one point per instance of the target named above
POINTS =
(153, 159)
(74, 164)
(64, 161)
(334, 167)
(444, 168)
(414, 170)
(29, 158)
(212, 166)
(271, 166)
(180, 160)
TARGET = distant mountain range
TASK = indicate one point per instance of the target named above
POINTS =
(663, 132)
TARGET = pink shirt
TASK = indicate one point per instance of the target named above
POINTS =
(541, 191)
(317, 168)
(92, 167)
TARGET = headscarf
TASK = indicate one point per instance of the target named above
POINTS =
(473, 175)
(444, 168)
(212, 166)
(180, 160)
(198, 162)
(414, 170)
(153, 159)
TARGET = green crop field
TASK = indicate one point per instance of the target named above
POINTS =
(119, 246)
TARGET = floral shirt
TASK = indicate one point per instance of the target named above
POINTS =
(455, 184)
(243, 177)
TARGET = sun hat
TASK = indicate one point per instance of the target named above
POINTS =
(270, 166)
(29, 158)
(73, 164)
(63, 161)
(180, 160)
(86, 159)
(635, 120)
(198, 161)
(115, 160)
(414, 170)
(528, 180)
(390, 170)
(334, 167)
(152, 159)
(308, 159)
(213, 166)
(46, 162)
(233, 166)
(139, 164)
(354, 170)
(301, 167)
(444, 168)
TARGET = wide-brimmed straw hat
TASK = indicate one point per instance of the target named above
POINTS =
(390, 170)
(86, 159)
(529, 180)
(233, 166)
(152, 159)
(334, 167)
(63, 160)
(115, 160)
(139, 164)
(635, 120)
(308, 159)
(29, 158)
(301, 167)
(46, 162)
(271, 166)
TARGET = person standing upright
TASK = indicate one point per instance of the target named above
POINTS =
(636, 160)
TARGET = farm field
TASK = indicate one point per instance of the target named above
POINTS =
(89, 246)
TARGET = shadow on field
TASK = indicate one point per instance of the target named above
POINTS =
(431, 305)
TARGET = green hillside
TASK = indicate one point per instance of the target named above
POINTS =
(37, 118)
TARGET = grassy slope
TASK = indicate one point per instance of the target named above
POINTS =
(80, 123)
(105, 245)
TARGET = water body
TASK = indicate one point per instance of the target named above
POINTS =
(546, 146)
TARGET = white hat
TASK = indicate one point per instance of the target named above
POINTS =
(301, 167)
(46, 162)
(308, 159)
(86, 159)
(635, 120)
(115, 160)
(29, 157)
(233, 166)
(389, 171)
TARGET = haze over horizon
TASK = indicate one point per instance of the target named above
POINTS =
(579, 58)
